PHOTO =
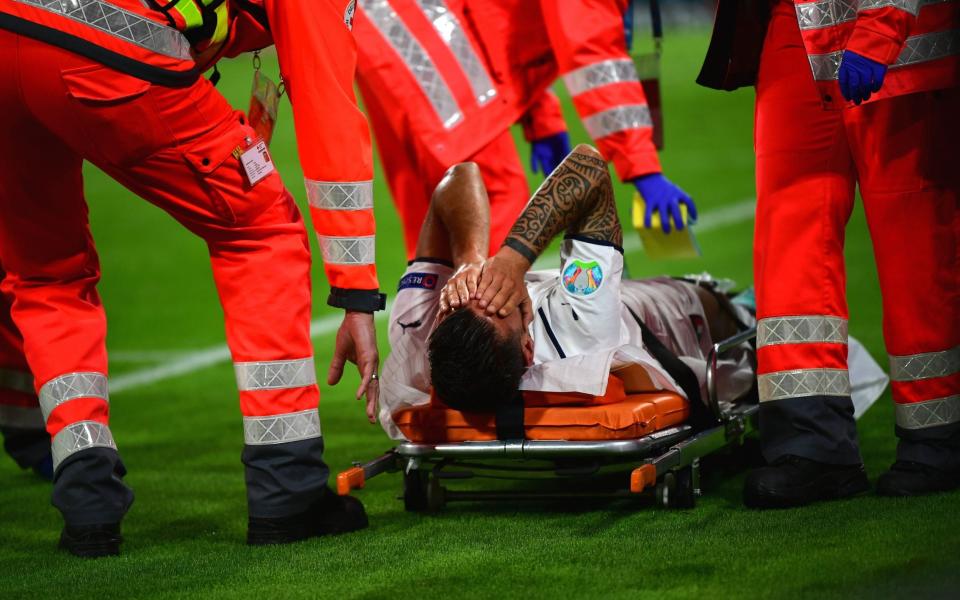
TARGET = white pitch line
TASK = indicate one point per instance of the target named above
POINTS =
(189, 362)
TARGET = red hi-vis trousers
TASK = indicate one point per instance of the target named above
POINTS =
(902, 152)
(175, 148)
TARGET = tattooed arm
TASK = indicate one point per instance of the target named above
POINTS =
(578, 198)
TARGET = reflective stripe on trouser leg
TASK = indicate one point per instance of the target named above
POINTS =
(283, 453)
(78, 437)
(70, 386)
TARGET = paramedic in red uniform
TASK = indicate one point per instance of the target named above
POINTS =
(852, 93)
(445, 79)
(118, 83)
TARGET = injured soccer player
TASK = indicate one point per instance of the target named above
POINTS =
(474, 330)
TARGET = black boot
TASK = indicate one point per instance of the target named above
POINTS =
(330, 515)
(908, 478)
(91, 541)
(796, 481)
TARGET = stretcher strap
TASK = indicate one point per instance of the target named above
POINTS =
(700, 417)
(509, 419)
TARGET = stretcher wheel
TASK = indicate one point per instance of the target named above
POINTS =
(436, 495)
(677, 490)
(415, 485)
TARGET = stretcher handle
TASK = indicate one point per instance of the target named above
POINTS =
(356, 477)
(713, 359)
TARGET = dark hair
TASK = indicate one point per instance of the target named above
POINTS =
(472, 367)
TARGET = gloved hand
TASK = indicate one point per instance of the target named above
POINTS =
(546, 153)
(859, 77)
(661, 194)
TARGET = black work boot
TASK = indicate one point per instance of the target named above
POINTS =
(330, 515)
(91, 541)
(796, 481)
(908, 478)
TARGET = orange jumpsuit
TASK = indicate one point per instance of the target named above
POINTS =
(117, 84)
(443, 80)
(900, 148)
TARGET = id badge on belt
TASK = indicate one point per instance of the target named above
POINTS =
(256, 160)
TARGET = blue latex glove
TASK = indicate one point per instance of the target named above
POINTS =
(661, 194)
(546, 153)
(859, 77)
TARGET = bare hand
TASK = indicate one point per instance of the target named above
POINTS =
(461, 287)
(502, 288)
(357, 343)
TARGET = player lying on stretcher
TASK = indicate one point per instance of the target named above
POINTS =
(477, 329)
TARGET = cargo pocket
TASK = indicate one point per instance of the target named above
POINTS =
(214, 158)
(116, 108)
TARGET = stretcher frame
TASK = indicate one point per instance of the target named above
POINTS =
(666, 462)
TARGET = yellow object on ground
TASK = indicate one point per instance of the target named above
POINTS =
(656, 243)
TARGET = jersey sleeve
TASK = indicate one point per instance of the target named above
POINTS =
(578, 312)
(318, 58)
(591, 50)
(405, 379)
(880, 33)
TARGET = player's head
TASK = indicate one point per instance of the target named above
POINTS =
(476, 360)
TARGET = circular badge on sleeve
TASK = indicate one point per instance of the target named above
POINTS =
(582, 278)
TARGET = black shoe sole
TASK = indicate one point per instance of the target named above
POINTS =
(855, 484)
(889, 490)
(92, 549)
(263, 532)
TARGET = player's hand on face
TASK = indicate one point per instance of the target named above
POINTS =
(357, 343)
(461, 287)
(502, 288)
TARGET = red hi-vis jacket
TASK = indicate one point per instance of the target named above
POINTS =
(532, 42)
(317, 56)
(918, 39)
(463, 70)
(423, 57)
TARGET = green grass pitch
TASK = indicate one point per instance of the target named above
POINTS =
(181, 438)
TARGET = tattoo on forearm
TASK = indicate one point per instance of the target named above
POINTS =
(578, 197)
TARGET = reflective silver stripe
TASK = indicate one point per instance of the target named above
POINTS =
(827, 13)
(347, 251)
(340, 195)
(803, 382)
(599, 74)
(928, 46)
(21, 417)
(80, 436)
(618, 118)
(70, 386)
(120, 23)
(451, 32)
(929, 413)
(275, 374)
(910, 6)
(825, 66)
(18, 381)
(392, 28)
(280, 429)
(801, 330)
(917, 49)
(925, 366)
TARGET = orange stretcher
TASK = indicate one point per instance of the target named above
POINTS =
(643, 440)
